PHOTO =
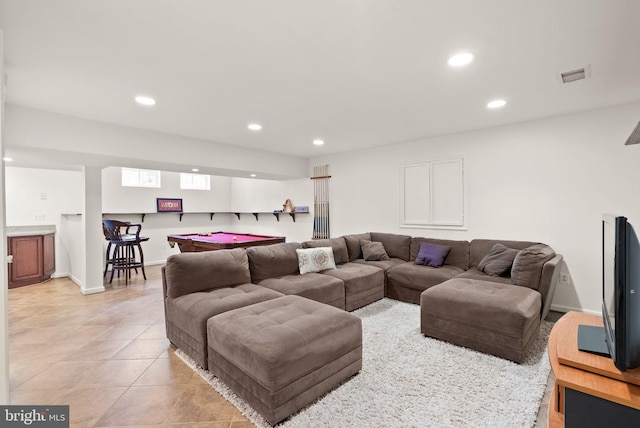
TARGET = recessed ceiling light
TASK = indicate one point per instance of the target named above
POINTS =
(460, 59)
(496, 103)
(254, 126)
(253, 175)
(195, 169)
(145, 101)
(318, 142)
(7, 159)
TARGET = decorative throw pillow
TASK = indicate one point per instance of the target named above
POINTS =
(315, 259)
(432, 254)
(498, 261)
(373, 250)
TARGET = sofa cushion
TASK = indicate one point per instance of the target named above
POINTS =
(432, 254)
(474, 273)
(397, 246)
(188, 314)
(360, 282)
(314, 286)
(527, 266)
(498, 261)
(385, 265)
(458, 256)
(353, 245)
(373, 250)
(478, 248)
(339, 246)
(193, 272)
(315, 259)
(420, 277)
(270, 261)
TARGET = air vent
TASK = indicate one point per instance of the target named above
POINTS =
(573, 75)
(634, 138)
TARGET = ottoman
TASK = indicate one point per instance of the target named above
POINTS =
(490, 317)
(282, 354)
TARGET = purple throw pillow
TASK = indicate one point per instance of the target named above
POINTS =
(432, 254)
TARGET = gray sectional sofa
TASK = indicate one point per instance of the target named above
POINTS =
(488, 295)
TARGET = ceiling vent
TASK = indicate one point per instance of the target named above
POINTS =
(634, 138)
(573, 75)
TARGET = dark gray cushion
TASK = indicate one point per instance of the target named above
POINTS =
(373, 250)
(270, 261)
(353, 244)
(339, 246)
(193, 272)
(527, 266)
(499, 260)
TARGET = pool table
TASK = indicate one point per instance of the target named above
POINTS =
(192, 242)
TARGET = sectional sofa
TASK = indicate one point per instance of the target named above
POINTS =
(488, 295)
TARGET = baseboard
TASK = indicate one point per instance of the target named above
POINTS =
(562, 308)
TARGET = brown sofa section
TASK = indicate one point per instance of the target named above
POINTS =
(362, 284)
(198, 286)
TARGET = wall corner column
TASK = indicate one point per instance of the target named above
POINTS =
(93, 238)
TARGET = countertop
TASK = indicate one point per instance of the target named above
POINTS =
(44, 229)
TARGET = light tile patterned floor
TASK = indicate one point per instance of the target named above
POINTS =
(106, 355)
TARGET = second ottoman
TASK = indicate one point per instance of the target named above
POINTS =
(283, 354)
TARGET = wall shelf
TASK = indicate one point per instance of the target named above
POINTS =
(238, 214)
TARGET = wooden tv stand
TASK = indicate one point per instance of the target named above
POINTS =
(589, 390)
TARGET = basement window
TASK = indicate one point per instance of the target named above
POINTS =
(195, 181)
(132, 177)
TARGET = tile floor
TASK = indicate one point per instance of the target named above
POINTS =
(106, 355)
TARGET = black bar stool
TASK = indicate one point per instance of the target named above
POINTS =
(123, 239)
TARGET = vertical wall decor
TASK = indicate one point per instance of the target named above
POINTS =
(321, 202)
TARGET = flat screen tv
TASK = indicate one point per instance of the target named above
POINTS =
(620, 337)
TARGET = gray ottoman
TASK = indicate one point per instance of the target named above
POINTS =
(282, 354)
(491, 317)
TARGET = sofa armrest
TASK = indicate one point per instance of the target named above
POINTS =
(548, 282)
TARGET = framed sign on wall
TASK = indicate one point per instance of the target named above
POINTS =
(166, 205)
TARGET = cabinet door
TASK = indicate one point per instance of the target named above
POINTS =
(27, 264)
(49, 249)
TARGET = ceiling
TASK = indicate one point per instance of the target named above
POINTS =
(357, 74)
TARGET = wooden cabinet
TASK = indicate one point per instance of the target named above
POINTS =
(589, 390)
(33, 259)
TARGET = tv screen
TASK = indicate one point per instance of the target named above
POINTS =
(620, 280)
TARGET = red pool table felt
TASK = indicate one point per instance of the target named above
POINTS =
(220, 240)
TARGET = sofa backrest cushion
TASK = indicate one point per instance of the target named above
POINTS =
(340, 253)
(353, 245)
(527, 266)
(272, 261)
(479, 248)
(396, 246)
(458, 255)
(193, 272)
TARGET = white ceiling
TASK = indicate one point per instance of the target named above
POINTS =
(358, 74)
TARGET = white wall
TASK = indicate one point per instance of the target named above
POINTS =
(548, 181)
(63, 192)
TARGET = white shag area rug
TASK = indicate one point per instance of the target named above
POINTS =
(409, 380)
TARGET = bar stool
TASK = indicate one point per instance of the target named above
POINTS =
(123, 256)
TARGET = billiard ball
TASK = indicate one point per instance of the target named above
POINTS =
(234, 239)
